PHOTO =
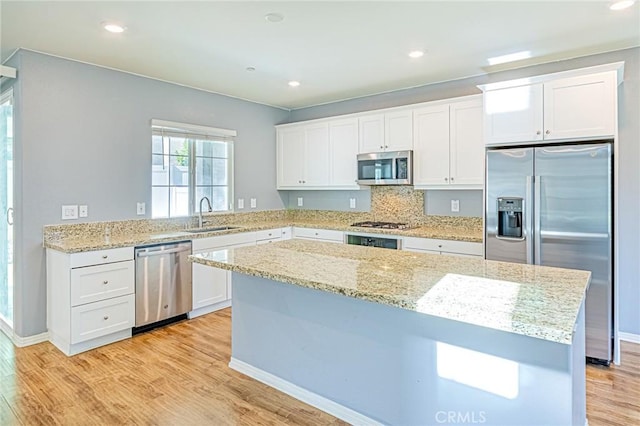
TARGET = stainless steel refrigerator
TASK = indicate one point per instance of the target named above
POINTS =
(552, 206)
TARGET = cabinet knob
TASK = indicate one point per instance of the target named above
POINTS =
(316, 233)
(451, 179)
(538, 132)
(165, 306)
(439, 245)
(269, 233)
(386, 146)
(105, 282)
(104, 256)
(548, 132)
(304, 181)
(106, 317)
(446, 179)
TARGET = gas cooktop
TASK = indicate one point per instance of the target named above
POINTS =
(383, 225)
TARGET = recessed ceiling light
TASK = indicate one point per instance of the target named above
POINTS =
(113, 28)
(619, 5)
(511, 57)
(274, 17)
(294, 83)
(416, 54)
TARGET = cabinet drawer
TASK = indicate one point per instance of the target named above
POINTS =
(448, 246)
(319, 234)
(94, 283)
(101, 318)
(269, 234)
(100, 257)
(204, 244)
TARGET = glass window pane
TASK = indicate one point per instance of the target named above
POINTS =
(179, 170)
(219, 172)
(159, 202)
(220, 200)
(157, 145)
(159, 175)
(204, 169)
(179, 146)
(202, 191)
(211, 149)
(178, 201)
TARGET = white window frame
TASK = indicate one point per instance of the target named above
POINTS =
(197, 132)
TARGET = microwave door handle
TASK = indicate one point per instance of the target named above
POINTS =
(394, 169)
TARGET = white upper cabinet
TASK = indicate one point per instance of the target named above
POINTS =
(577, 107)
(448, 147)
(318, 155)
(343, 153)
(392, 131)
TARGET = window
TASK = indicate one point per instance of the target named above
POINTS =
(188, 163)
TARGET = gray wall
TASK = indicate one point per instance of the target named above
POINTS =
(329, 200)
(83, 136)
(439, 203)
(628, 152)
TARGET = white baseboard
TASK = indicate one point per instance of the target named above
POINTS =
(629, 337)
(22, 341)
(311, 398)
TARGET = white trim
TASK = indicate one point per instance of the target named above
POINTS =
(22, 341)
(629, 337)
(306, 396)
(196, 128)
(8, 72)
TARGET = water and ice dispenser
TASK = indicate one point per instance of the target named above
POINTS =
(510, 220)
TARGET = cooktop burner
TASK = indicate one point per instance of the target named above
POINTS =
(384, 225)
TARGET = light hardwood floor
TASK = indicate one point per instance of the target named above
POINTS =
(178, 375)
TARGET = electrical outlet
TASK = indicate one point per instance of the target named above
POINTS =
(253, 203)
(352, 203)
(84, 211)
(241, 203)
(455, 205)
(69, 212)
(141, 209)
(300, 201)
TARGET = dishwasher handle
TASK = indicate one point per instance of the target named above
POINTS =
(162, 252)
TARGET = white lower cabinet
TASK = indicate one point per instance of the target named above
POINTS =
(212, 286)
(272, 235)
(446, 247)
(90, 298)
(327, 235)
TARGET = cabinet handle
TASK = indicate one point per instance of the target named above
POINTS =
(105, 282)
(538, 132)
(439, 245)
(548, 132)
(104, 256)
(106, 317)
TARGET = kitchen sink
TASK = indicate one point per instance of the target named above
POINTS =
(212, 229)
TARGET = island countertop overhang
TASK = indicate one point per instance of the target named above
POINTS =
(535, 301)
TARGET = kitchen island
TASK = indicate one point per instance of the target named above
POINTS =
(382, 336)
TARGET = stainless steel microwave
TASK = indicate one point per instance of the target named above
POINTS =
(385, 168)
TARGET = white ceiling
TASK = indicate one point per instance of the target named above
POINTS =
(337, 50)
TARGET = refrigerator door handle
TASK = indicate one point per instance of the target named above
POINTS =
(528, 219)
(537, 185)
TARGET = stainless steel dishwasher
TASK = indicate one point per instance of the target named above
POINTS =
(163, 284)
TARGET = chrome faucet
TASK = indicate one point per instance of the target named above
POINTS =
(200, 212)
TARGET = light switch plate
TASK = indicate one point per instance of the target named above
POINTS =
(141, 209)
(300, 201)
(241, 203)
(352, 203)
(455, 205)
(83, 211)
(69, 212)
(253, 203)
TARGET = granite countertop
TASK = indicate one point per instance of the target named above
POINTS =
(535, 301)
(87, 242)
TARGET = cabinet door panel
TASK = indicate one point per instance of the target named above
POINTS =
(371, 133)
(209, 285)
(316, 157)
(513, 114)
(398, 131)
(431, 145)
(291, 153)
(466, 161)
(580, 107)
(343, 148)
